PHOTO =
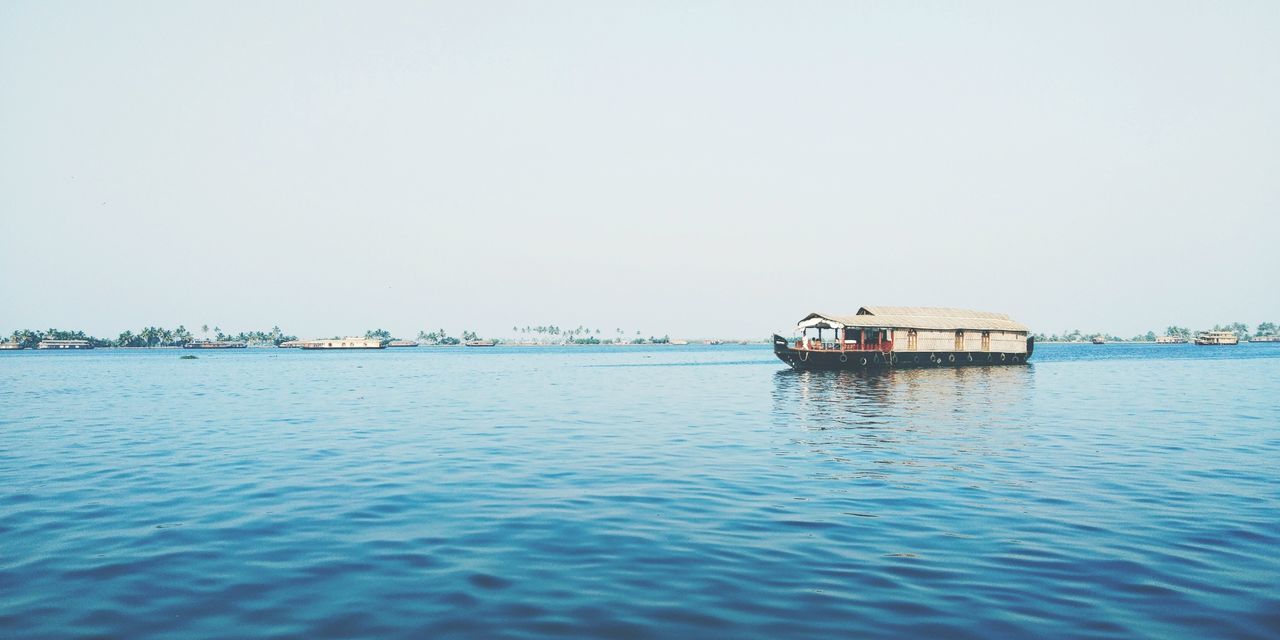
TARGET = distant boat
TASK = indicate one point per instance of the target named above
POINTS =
(291, 344)
(214, 344)
(64, 344)
(1099, 340)
(1171, 340)
(679, 343)
(342, 343)
(402, 343)
(1265, 339)
(10, 346)
(480, 343)
(1217, 338)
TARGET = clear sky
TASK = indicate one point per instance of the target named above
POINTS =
(692, 168)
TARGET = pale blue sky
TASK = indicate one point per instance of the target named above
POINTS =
(693, 168)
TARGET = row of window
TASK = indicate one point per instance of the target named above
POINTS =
(986, 340)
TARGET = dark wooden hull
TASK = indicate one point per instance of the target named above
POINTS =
(801, 359)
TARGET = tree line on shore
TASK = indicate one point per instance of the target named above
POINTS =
(1239, 328)
(162, 337)
(149, 337)
(542, 334)
(554, 334)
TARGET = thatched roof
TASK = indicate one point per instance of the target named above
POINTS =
(938, 318)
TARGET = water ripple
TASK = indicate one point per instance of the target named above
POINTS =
(1102, 492)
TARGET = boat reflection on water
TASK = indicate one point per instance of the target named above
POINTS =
(951, 416)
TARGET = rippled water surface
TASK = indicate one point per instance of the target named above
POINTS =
(1103, 491)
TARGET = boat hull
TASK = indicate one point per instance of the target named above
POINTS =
(804, 359)
(328, 348)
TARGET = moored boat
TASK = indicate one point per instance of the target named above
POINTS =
(480, 343)
(64, 344)
(342, 343)
(10, 346)
(214, 344)
(1217, 338)
(402, 343)
(1171, 340)
(1099, 340)
(1265, 339)
(906, 337)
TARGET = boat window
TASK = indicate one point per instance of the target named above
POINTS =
(911, 339)
(986, 340)
(959, 341)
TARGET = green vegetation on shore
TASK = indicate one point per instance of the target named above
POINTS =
(1239, 328)
(541, 335)
(538, 335)
(554, 334)
(149, 337)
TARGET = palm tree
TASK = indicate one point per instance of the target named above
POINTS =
(204, 328)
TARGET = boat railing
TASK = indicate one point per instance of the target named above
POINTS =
(850, 345)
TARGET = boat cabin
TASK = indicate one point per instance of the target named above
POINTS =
(64, 344)
(912, 329)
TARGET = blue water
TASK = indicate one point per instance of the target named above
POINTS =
(650, 492)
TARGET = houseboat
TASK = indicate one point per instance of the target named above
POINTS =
(1217, 338)
(905, 337)
(64, 344)
(10, 346)
(1265, 339)
(402, 343)
(1171, 340)
(480, 343)
(214, 344)
(1099, 340)
(343, 343)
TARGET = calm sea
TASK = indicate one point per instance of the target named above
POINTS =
(644, 492)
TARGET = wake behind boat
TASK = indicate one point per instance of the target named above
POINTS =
(905, 337)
